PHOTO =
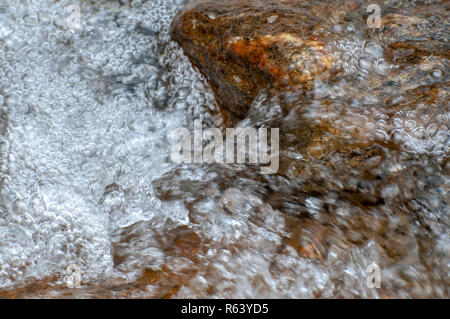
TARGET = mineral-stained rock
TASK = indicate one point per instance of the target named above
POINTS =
(334, 86)
(340, 86)
(363, 117)
(244, 46)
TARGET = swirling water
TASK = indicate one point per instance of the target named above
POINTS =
(87, 180)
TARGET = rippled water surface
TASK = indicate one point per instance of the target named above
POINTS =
(87, 179)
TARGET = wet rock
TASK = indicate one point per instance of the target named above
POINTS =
(363, 117)
(340, 86)
(245, 46)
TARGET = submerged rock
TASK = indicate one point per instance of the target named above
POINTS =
(363, 117)
(334, 86)
(318, 70)
(245, 46)
(363, 179)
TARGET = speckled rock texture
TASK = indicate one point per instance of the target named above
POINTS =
(244, 46)
(363, 115)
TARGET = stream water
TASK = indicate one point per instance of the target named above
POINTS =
(87, 104)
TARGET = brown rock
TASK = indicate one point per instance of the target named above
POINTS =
(363, 120)
(245, 46)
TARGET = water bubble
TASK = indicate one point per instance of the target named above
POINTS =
(320, 89)
(5, 30)
(374, 49)
(382, 67)
(365, 63)
(338, 28)
(437, 73)
(12, 100)
(272, 19)
(390, 191)
(350, 28)
(346, 57)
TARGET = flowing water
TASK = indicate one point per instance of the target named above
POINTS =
(87, 104)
